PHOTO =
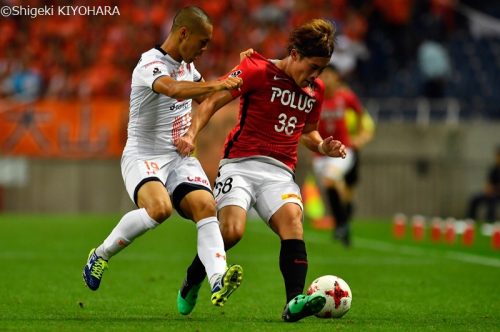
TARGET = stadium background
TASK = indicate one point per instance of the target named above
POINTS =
(64, 86)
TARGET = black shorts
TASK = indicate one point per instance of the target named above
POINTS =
(352, 177)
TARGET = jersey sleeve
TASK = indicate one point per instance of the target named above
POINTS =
(250, 71)
(149, 70)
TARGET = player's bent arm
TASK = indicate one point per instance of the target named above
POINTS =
(311, 137)
(328, 146)
(243, 55)
(199, 119)
(206, 110)
(201, 98)
(189, 90)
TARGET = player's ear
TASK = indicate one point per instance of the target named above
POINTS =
(183, 33)
(294, 54)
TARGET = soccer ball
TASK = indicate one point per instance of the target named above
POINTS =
(338, 296)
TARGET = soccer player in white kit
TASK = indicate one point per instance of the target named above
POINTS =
(280, 104)
(156, 176)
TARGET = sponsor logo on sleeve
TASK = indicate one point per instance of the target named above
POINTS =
(235, 73)
(156, 71)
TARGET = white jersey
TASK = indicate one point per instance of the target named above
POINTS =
(156, 120)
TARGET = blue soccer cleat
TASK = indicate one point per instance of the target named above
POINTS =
(92, 272)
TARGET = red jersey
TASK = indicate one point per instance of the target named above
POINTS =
(332, 122)
(273, 112)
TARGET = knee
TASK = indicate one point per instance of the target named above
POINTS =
(159, 210)
(291, 227)
(232, 233)
(294, 230)
(205, 208)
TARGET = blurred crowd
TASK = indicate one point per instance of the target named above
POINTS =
(92, 56)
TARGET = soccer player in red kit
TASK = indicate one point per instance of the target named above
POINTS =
(331, 173)
(280, 103)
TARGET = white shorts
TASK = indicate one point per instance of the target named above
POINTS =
(333, 168)
(171, 170)
(253, 183)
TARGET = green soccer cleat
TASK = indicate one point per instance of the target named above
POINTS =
(186, 297)
(303, 306)
(226, 285)
(93, 270)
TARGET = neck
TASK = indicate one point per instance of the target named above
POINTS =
(170, 46)
(284, 64)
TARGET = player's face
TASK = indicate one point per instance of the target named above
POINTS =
(195, 43)
(327, 76)
(306, 69)
(330, 78)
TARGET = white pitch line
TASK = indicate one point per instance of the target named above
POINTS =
(402, 249)
(453, 255)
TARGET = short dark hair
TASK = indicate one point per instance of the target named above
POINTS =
(191, 17)
(313, 39)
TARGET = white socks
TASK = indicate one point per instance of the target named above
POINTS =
(210, 244)
(132, 225)
(211, 248)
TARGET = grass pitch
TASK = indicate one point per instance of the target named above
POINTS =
(397, 285)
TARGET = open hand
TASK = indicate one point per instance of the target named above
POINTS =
(333, 148)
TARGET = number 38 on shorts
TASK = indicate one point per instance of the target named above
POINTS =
(223, 186)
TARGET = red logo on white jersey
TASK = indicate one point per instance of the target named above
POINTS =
(198, 179)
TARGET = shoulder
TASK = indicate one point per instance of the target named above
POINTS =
(256, 62)
(152, 54)
(346, 90)
(251, 69)
(350, 95)
(150, 58)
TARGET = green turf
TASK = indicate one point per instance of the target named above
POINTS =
(396, 285)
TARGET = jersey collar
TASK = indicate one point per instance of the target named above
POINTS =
(167, 56)
(158, 47)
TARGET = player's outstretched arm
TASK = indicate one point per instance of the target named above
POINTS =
(243, 55)
(328, 146)
(189, 90)
(186, 143)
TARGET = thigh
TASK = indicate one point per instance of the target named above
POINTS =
(137, 171)
(197, 205)
(187, 170)
(190, 189)
(277, 189)
(153, 193)
(233, 187)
